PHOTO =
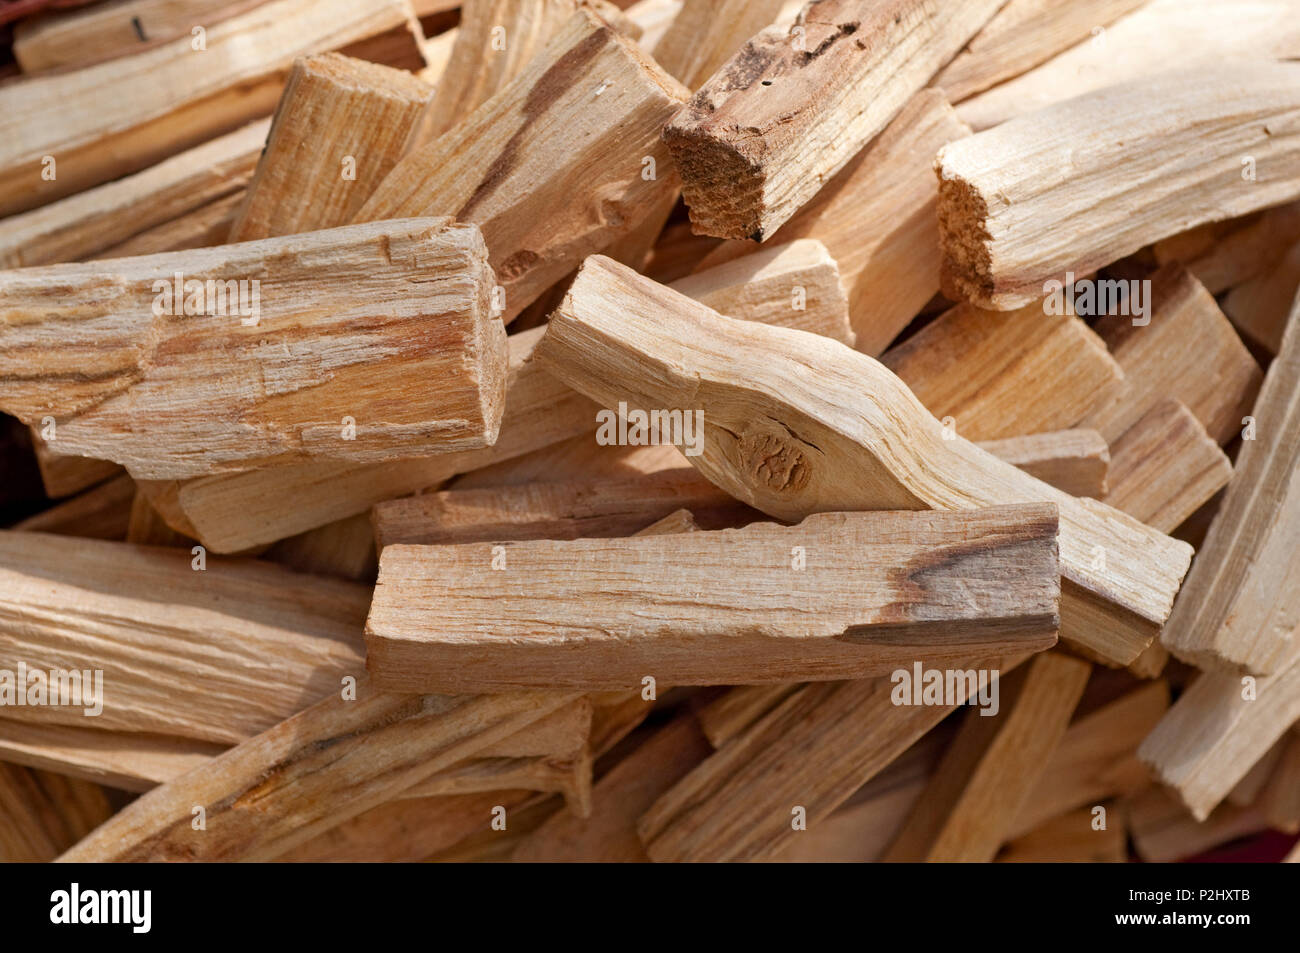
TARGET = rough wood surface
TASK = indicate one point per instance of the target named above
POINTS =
(820, 445)
(227, 379)
(796, 103)
(875, 591)
(706, 33)
(1003, 192)
(338, 131)
(1222, 255)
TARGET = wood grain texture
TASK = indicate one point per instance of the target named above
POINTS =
(202, 227)
(1162, 831)
(796, 103)
(43, 814)
(1003, 192)
(338, 131)
(1074, 461)
(820, 445)
(704, 34)
(879, 590)
(102, 512)
(64, 474)
(1259, 308)
(1070, 838)
(511, 166)
(1222, 255)
(187, 382)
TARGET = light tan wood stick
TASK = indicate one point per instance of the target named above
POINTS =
(1260, 307)
(105, 121)
(653, 17)
(1280, 798)
(1003, 192)
(43, 814)
(343, 548)
(339, 129)
(705, 33)
(102, 512)
(877, 218)
(1163, 831)
(187, 367)
(839, 596)
(990, 769)
(737, 708)
(1071, 838)
(1247, 790)
(796, 103)
(63, 474)
(148, 528)
(80, 226)
(1241, 605)
(511, 166)
(1023, 34)
(1221, 255)
(1073, 461)
(323, 766)
(819, 444)
(203, 227)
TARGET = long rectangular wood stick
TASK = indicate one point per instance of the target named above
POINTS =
(338, 130)
(796, 103)
(511, 166)
(839, 596)
(105, 121)
(1004, 192)
(202, 227)
(186, 367)
(821, 445)
(1071, 838)
(102, 512)
(1222, 255)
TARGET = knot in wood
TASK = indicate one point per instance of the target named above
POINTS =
(777, 461)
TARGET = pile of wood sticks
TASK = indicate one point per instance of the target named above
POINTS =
(672, 430)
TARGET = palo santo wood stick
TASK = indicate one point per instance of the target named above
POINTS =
(203, 227)
(171, 380)
(737, 708)
(1021, 35)
(104, 121)
(877, 218)
(1260, 307)
(1163, 831)
(1280, 798)
(1003, 193)
(819, 444)
(102, 512)
(80, 226)
(323, 766)
(1241, 606)
(796, 103)
(1073, 461)
(975, 582)
(343, 548)
(339, 129)
(991, 767)
(511, 166)
(1222, 255)
(1071, 838)
(705, 33)
(43, 814)
(63, 474)
(1247, 790)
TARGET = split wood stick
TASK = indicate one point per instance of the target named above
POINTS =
(1003, 192)
(64, 474)
(80, 226)
(511, 166)
(572, 779)
(1188, 352)
(1071, 838)
(1241, 606)
(102, 512)
(992, 766)
(1163, 831)
(1161, 35)
(1073, 461)
(796, 103)
(1280, 799)
(339, 129)
(972, 583)
(1246, 791)
(343, 548)
(203, 227)
(578, 459)
(813, 751)
(1259, 308)
(1217, 730)
(706, 33)
(146, 527)
(121, 116)
(599, 509)
(737, 708)
(818, 444)
(1165, 467)
(877, 218)
(1023, 34)
(183, 385)
(1017, 372)
(43, 814)
(1096, 758)
(620, 797)
(216, 654)
(653, 17)
(1222, 255)
(105, 31)
(323, 766)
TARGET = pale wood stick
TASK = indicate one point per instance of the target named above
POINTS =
(737, 708)
(1259, 307)
(64, 474)
(1160, 35)
(506, 168)
(572, 779)
(992, 397)
(1023, 34)
(42, 814)
(1163, 831)
(146, 527)
(343, 548)
(203, 227)
(1073, 461)
(338, 130)
(80, 226)
(182, 384)
(1246, 791)
(825, 595)
(796, 103)
(113, 120)
(102, 512)
(326, 764)
(621, 337)
(1071, 838)
(1280, 798)
(1003, 192)
(654, 17)
(1241, 604)
(1222, 255)
(577, 459)
(1096, 758)
(992, 766)
(812, 751)
(706, 33)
